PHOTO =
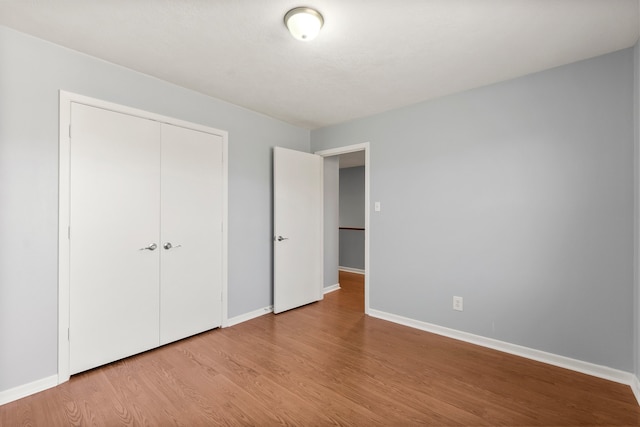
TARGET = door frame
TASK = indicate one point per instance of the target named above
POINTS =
(367, 223)
(64, 169)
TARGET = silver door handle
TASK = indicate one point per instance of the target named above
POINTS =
(280, 238)
(168, 246)
(151, 247)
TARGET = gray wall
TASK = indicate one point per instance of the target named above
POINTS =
(352, 197)
(31, 73)
(352, 215)
(352, 249)
(331, 214)
(636, 118)
(517, 197)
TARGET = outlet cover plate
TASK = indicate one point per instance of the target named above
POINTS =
(457, 303)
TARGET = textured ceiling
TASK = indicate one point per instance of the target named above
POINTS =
(371, 56)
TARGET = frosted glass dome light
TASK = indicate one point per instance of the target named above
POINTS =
(304, 23)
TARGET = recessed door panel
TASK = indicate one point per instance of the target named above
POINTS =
(191, 233)
(114, 204)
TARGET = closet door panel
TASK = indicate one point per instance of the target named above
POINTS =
(191, 218)
(114, 212)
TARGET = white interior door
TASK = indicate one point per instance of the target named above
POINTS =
(298, 223)
(191, 233)
(114, 201)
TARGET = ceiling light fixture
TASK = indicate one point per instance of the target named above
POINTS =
(304, 23)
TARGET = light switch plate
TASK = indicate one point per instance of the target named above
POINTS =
(376, 206)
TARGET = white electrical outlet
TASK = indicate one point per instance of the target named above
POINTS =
(457, 303)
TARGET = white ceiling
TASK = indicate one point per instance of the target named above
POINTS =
(351, 160)
(371, 56)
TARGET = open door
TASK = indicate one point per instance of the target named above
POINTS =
(298, 222)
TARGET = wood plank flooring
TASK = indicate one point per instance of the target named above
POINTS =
(326, 364)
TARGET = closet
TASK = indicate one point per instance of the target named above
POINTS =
(145, 234)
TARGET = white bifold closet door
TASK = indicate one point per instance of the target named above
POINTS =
(191, 233)
(145, 235)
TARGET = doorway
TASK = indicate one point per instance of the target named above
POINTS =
(351, 153)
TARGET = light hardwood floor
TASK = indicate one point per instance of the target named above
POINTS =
(326, 364)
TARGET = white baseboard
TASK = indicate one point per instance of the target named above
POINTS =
(635, 387)
(28, 389)
(248, 316)
(351, 270)
(331, 288)
(588, 368)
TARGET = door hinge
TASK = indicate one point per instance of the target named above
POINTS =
(69, 232)
(68, 334)
(69, 131)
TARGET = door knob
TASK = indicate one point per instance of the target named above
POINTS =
(168, 246)
(151, 247)
(280, 238)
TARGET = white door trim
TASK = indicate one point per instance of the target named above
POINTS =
(66, 98)
(367, 224)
